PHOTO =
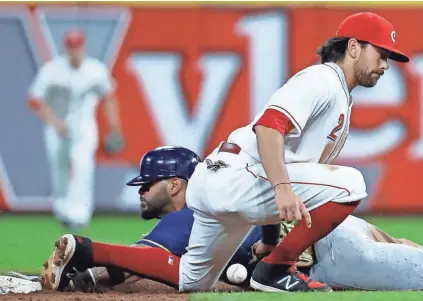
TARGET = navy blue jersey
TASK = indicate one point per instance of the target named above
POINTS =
(173, 231)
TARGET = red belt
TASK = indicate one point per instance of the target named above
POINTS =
(227, 147)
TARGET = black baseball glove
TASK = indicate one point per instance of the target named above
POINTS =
(84, 282)
(114, 143)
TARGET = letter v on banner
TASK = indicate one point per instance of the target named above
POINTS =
(18, 24)
(5, 189)
(157, 77)
(3, 202)
(287, 280)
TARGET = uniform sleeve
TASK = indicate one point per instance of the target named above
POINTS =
(276, 120)
(106, 84)
(171, 233)
(302, 97)
(39, 85)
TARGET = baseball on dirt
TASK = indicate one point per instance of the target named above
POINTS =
(236, 273)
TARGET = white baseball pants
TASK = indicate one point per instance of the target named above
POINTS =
(72, 166)
(348, 258)
(226, 204)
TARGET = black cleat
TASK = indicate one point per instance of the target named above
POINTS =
(269, 277)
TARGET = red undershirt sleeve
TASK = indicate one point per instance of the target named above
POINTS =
(276, 120)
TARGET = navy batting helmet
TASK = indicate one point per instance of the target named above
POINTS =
(165, 162)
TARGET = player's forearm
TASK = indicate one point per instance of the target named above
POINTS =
(44, 112)
(408, 242)
(380, 236)
(270, 144)
(270, 235)
(101, 276)
(111, 110)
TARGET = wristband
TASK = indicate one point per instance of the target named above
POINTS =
(281, 183)
(116, 275)
(270, 234)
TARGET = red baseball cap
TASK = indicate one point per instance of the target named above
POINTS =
(74, 39)
(374, 29)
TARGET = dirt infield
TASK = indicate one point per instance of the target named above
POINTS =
(110, 296)
(138, 290)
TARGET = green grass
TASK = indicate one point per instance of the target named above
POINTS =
(336, 296)
(28, 240)
(409, 227)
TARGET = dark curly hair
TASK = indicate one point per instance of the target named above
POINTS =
(333, 50)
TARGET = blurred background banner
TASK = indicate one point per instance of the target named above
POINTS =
(189, 76)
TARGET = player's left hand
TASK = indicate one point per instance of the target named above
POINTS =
(290, 205)
(261, 249)
(84, 282)
(114, 142)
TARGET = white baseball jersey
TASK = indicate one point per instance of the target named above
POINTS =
(73, 94)
(228, 201)
(318, 103)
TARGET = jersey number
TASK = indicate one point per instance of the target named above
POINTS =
(332, 135)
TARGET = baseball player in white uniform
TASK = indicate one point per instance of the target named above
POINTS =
(65, 94)
(278, 166)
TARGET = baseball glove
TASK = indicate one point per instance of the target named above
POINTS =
(306, 259)
(84, 282)
(114, 143)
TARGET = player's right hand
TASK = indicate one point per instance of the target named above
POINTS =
(290, 205)
(61, 128)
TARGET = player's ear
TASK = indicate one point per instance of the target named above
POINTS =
(353, 48)
(174, 186)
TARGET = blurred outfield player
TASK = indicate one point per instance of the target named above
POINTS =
(65, 94)
(356, 255)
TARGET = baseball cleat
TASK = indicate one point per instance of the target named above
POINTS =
(283, 278)
(72, 254)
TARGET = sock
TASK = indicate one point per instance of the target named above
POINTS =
(148, 262)
(324, 218)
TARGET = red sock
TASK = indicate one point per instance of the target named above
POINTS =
(152, 263)
(324, 219)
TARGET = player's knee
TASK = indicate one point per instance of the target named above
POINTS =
(352, 181)
(194, 280)
(356, 180)
(367, 258)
